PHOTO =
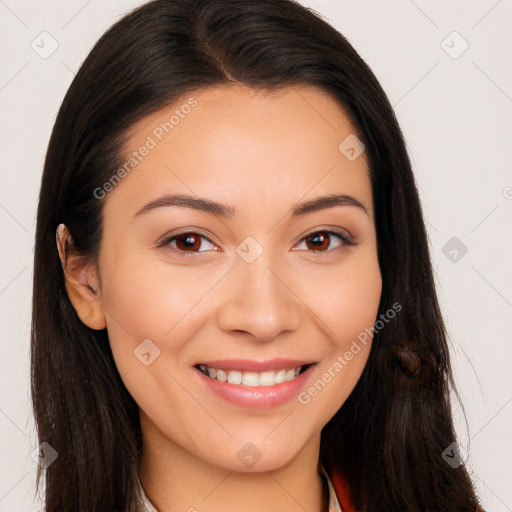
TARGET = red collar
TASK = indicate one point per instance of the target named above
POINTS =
(342, 491)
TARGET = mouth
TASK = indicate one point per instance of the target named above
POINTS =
(243, 377)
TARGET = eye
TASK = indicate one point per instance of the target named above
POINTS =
(320, 241)
(188, 241)
(191, 241)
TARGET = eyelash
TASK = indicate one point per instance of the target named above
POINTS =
(166, 242)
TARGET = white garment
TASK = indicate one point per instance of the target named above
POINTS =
(334, 504)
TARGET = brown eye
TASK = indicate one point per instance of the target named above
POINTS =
(188, 242)
(318, 241)
(321, 241)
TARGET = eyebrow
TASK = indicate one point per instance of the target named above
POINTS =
(227, 211)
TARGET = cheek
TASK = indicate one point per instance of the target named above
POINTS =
(347, 309)
(145, 300)
(142, 301)
(345, 300)
(152, 314)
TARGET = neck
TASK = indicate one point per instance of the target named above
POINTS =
(176, 480)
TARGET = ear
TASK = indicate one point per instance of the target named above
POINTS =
(82, 281)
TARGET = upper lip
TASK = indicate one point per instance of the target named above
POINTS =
(255, 365)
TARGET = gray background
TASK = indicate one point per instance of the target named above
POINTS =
(455, 109)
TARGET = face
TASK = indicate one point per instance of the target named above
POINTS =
(247, 273)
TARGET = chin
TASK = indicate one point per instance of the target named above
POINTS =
(256, 456)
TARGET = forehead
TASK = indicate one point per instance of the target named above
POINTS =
(233, 138)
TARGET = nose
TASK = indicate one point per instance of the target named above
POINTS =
(259, 300)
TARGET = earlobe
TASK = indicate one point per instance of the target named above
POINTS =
(81, 281)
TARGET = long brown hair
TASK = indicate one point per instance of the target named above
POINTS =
(387, 439)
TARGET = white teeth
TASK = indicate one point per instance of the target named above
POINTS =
(235, 377)
(221, 375)
(250, 379)
(290, 374)
(280, 376)
(266, 378)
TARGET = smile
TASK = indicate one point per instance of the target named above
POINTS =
(251, 378)
(254, 384)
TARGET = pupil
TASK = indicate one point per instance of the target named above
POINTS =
(319, 241)
(188, 241)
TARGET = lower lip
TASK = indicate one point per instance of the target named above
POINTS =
(257, 397)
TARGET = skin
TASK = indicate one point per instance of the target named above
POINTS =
(261, 152)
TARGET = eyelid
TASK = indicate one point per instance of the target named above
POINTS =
(169, 237)
(345, 236)
(342, 236)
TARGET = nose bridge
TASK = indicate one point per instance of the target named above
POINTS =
(259, 299)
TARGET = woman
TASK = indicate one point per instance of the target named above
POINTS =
(239, 310)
